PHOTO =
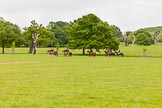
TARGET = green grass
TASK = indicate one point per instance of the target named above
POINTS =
(136, 51)
(130, 51)
(43, 81)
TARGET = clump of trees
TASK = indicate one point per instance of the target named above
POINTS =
(140, 37)
(153, 33)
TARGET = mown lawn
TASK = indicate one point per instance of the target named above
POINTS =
(43, 81)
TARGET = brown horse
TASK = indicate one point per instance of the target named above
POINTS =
(91, 53)
(67, 53)
(109, 53)
(52, 52)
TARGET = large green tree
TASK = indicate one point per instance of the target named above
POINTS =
(9, 33)
(35, 35)
(59, 28)
(143, 38)
(89, 32)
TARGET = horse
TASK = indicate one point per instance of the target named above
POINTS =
(70, 53)
(91, 53)
(109, 53)
(67, 53)
(52, 52)
(118, 53)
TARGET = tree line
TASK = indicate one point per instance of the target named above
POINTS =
(87, 32)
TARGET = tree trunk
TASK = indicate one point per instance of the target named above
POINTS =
(155, 42)
(34, 44)
(156, 38)
(126, 42)
(31, 48)
(3, 46)
(35, 48)
(134, 39)
(83, 51)
(2, 49)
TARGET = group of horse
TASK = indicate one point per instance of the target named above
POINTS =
(53, 52)
(107, 53)
(111, 53)
(90, 53)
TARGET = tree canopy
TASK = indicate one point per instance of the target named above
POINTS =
(59, 29)
(143, 38)
(36, 32)
(9, 33)
(117, 32)
(89, 32)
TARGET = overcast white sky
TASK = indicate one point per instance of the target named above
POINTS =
(126, 14)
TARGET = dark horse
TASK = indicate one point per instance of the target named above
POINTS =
(91, 53)
(52, 52)
(118, 53)
(109, 53)
(67, 53)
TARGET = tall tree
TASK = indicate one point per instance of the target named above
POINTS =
(59, 28)
(89, 32)
(143, 38)
(9, 33)
(34, 33)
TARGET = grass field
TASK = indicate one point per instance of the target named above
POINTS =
(130, 51)
(43, 81)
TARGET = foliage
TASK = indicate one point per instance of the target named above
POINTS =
(143, 38)
(117, 32)
(129, 38)
(44, 38)
(57, 46)
(13, 45)
(154, 30)
(59, 28)
(9, 33)
(89, 32)
(145, 49)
